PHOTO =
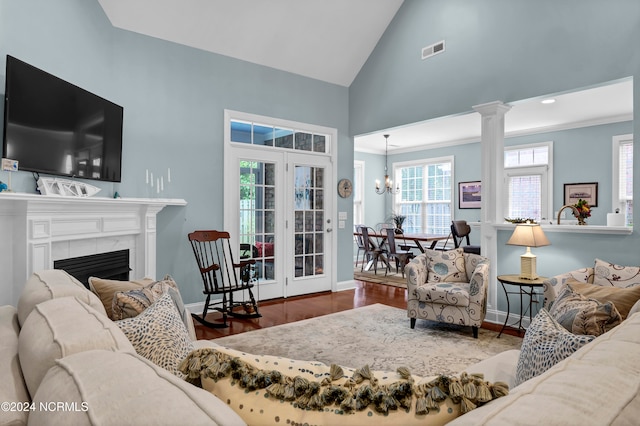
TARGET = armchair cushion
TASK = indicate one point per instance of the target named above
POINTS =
(455, 294)
(446, 266)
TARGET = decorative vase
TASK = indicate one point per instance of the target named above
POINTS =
(398, 229)
(581, 220)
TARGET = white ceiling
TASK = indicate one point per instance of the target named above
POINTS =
(599, 105)
(330, 40)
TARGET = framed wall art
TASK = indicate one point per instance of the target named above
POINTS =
(469, 194)
(576, 191)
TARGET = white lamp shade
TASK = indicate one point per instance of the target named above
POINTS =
(528, 235)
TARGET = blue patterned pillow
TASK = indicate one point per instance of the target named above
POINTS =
(545, 344)
(446, 266)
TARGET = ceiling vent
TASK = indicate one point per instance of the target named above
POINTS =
(434, 49)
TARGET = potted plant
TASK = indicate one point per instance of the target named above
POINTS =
(398, 220)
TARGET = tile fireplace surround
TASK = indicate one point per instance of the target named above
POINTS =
(37, 230)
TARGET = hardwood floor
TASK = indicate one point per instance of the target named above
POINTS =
(282, 311)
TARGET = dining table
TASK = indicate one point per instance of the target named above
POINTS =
(417, 238)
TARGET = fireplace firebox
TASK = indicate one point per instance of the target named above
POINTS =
(112, 265)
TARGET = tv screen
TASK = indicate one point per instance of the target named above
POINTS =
(54, 127)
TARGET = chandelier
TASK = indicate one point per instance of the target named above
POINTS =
(388, 183)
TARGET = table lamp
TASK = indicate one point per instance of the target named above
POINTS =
(528, 235)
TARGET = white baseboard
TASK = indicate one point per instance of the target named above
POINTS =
(498, 317)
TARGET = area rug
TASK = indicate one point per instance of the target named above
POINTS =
(392, 278)
(378, 336)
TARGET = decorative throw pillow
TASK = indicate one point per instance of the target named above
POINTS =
(609, 274)
(622, 298)
(159, 334)
(545, 344)
(446, 266)
(105, 289)
(128, 304)
(581, 315)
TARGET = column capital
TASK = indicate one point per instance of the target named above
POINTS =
(492, 108)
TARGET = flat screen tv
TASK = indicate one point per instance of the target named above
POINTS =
(54, 127)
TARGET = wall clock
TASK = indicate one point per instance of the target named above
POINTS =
(345, 187)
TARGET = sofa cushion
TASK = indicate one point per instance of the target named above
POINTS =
(609, 274)
(270, 390)
(50, 284)
(545, 344)
(60, 327)
(622, 298)
(159, 334)
(597, 385)
(111, 388)
(581, 315)
(106, 289)
(13, 389)
(446, 266)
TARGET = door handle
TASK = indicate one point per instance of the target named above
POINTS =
(329, 229)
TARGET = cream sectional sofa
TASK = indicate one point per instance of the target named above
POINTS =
(64, 362)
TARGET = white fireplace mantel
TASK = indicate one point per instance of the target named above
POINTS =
(37, 230)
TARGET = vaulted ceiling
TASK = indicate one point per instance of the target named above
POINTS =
(330, 40)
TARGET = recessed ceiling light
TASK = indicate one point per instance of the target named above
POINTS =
(548, 101)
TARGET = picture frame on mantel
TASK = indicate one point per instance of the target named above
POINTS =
(469, 194)
(586, 191)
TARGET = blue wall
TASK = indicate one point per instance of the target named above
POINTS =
(509, 50)
(173, 98)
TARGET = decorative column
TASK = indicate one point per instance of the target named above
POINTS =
(492, 171)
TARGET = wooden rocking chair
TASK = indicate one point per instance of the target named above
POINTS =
(222, 276)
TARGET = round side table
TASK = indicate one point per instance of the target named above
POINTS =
(525, 288)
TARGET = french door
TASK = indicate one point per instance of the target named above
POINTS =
(278, 203)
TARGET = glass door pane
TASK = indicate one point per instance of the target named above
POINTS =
(257, 216)
(309, 221)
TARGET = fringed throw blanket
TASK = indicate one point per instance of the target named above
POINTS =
(251, 384)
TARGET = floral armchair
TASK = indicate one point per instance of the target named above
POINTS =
(448, 286)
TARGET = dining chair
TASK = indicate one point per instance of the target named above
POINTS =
(460, 231)
(402, 257)
(374, 251)
(359, 239)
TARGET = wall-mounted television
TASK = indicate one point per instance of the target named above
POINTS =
(54, 127)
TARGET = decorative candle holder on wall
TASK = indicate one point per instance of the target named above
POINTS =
(156, 186)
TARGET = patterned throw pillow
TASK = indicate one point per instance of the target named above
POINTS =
(446, 266)
(159, 334)
(545, 344)
(581, 315)
(609, 274)
(622, 298)
(131, 303)
(105, 289)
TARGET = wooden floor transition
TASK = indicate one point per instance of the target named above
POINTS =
(283, 311)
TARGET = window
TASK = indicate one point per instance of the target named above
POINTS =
(358, 193)
(528, 178)
(274, 136)
(425, 195)
(623, 176)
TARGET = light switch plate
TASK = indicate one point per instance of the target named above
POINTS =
(342, 215)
